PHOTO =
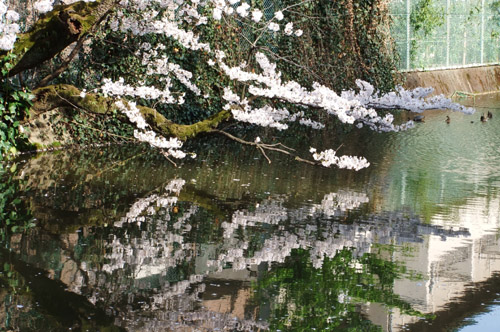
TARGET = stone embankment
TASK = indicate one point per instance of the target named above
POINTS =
(472, 80)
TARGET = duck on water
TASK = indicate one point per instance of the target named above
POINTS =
(419, 118)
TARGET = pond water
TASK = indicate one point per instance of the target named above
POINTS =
(117, 239)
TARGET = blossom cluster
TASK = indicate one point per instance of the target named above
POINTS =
(150, 21)
(169, 146)
(244, 11)
(8, 27)
(349, 107)
(133, 113)
(120, 88)
(311, 123)
(44, 6)
(329, 157)
(413, 100)
(265, 116)
(184, 77)
(172, 144)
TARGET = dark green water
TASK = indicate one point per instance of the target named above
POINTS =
(117, 239)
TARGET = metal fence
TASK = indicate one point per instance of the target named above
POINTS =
(465, 33)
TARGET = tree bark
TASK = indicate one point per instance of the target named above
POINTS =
(54, 32)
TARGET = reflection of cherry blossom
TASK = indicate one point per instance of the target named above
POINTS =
(335, 203)
(147, 204)
(155, 260)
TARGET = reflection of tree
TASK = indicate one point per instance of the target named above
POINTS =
(15, 216)
(84, 187)
(311, 227)
(156, 261)
(34, 302)
(149, 267)
(304, 298)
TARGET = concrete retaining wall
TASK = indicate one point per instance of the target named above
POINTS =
(448, 81)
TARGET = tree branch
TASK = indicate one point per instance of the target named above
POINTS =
(55, 31)
(263, 146)
(68, 96)
(64, 64)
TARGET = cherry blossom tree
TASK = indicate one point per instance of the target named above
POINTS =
(254, 91)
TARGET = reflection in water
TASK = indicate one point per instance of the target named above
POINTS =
(125, 241)
(148, 265)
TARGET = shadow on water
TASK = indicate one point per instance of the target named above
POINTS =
(32, 299)
(116, 238)
(36, 302)
(477, 299)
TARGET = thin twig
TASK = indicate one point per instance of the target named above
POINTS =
(296, 64)
(307, 161)
(262, 147)
(74, 106)
(166, 156)
(281, 144)
(264, 153)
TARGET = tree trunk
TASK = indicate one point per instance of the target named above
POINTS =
(54, 32)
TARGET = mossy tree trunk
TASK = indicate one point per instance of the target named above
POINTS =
(55, 31)
(68, 96)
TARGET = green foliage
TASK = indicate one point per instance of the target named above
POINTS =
(321, 52)
(112, 54)
(343, 41)
(15, 103)
(85, 128)
(304, 298)
(424, 19)
(14, 215)
(495, 8)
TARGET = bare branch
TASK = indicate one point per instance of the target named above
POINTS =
(262, 147)
(170, 160)
(264, 153)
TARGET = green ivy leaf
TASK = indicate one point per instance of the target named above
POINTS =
(13, 107)
(13, 168)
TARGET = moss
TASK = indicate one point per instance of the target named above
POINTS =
(97, 104)
(51, 34)
(182, 132)
(38, 146)
(68, 96)
(64, 95)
